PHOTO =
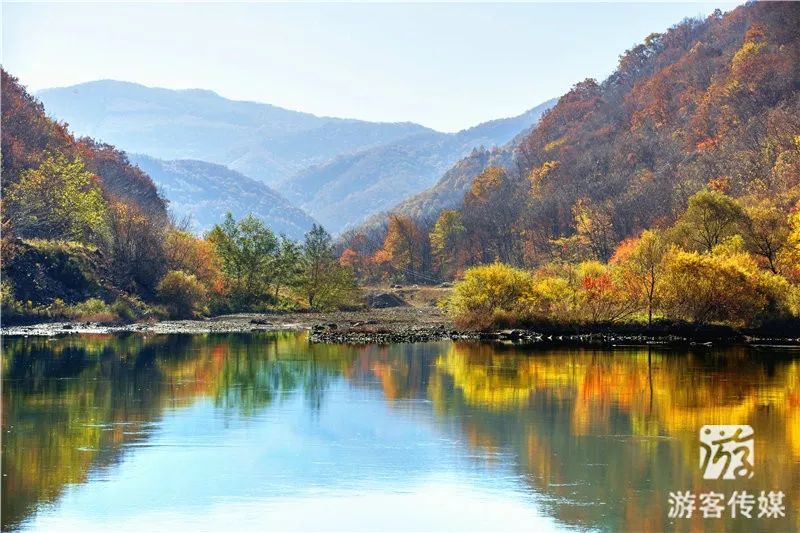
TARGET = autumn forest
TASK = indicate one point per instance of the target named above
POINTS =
(400, 266)
(668, 192)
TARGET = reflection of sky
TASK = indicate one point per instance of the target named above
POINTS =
(356, 464)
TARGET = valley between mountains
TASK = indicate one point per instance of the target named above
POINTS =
(303, 168)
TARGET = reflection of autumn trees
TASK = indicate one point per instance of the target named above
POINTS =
(601, 436)
(57, 424)
(72, 405)
(598, 431)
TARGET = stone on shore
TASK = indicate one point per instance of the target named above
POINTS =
(386, 299)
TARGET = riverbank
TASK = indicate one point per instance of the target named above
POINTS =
(414, 324)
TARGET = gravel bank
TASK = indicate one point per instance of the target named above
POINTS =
(390, 320)
(402, 325)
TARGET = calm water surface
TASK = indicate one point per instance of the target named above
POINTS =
(267, 432)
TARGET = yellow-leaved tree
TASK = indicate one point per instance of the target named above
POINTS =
(59, 199)
(486, 293)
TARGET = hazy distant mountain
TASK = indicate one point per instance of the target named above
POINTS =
(340, 171)
(447, 193)
(347, 190)
(206, 191)
(260, 140)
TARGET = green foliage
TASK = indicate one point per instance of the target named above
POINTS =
(710, 218)
(728, 284)
(130, 309)
(91, 310)
(10, 307)
(124, 309)
(445, 238)
(552, 299)
(247, 250)
(323, 281)
(287, 266)
(182, 294)
(765, 229)
(59, 199)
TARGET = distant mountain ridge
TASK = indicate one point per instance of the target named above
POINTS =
(449, 191)
(260, 140)
(205, 192)
(348, 190)
(340, 171)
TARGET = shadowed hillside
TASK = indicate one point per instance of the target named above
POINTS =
(205, 192)
(347, 190)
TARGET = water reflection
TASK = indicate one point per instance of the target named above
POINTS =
(269, 432)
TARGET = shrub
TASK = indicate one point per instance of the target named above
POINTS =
(130, 308)
(487, 291)
(705, 288)
(182, 294)
(91, 310)
(551, 299)
(10, 307)
(600, 294)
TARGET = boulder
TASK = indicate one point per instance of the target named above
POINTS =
(386, 299)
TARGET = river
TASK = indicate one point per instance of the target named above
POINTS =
(265, 431)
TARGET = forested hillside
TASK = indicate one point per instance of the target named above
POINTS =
(711, 102)
(85, 234)
(205, 192)
(695, 137)
(29, 137)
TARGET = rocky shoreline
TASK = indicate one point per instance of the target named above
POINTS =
(335, 335)
(392, 320)
(408, 325)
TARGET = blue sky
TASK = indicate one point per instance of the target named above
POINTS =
(447, 66)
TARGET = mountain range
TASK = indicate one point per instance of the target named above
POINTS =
(352, 187)
(262, 141)
(204, 192)
(340, 171)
